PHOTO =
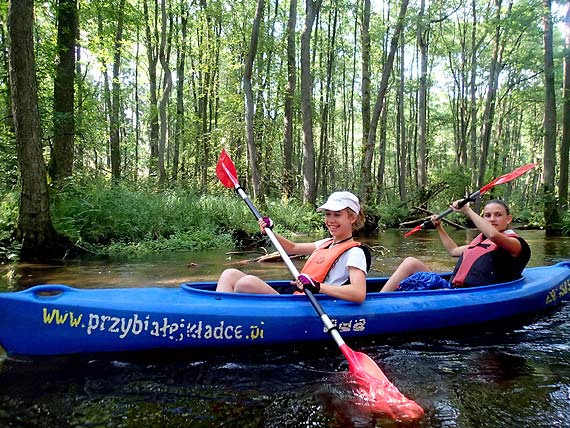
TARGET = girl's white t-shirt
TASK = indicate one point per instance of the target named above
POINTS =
(338, 274)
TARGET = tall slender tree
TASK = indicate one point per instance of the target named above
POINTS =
(312, 8)
(324, 169)
(369, 147)
(288, 115)
(551, 214)
(422, 35)
(495, 68)
(61, 161)
(151, 44)
(365, 82)
(401, 135)
(565, 143)
(115, 119)
(180, 127)
(164, 56)
(473, 93)
(249, 102)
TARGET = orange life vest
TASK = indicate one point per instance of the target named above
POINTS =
(484, 262)
(324, 257)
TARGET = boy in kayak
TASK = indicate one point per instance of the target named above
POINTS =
(334, 262)
(496, 255)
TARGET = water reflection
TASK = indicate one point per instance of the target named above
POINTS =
(170, 270)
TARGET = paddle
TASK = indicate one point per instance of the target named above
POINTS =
(473, 196)
(374, 385)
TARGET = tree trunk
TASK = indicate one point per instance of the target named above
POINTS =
(288, 181)
(366, 171)
(180, 75)
(422, 35)
(471, 161)
(137, 112)
(35, 230)
(565, 144)
(106, 90)
(249, 102)
(323, 171)
(551, 213)
(79, 157)
(309, 183)
(381, 154)
(365, 86)
(402, 152)
(164, 54)
(115, 122)
(61, 162)
(490, 102)
(151, 49)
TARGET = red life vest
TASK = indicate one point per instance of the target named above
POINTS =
(484, 262)
(324, 257)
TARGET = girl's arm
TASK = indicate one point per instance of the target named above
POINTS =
(508, 243)
(452, 248)
(353, 292)
(289, 246)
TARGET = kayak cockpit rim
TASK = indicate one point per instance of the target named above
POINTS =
(208, 288)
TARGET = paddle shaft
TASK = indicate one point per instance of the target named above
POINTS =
(505, 178)
(293, 269)
(472, 197)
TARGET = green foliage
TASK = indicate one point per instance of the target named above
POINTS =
(8, 221)
(8, 215)
(293, 216)
(140, 218)
(8, 160)
(128, 219)
(458, 185)
(98, 213)
(566, 223)
(390, 214)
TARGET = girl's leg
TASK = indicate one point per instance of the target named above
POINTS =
(254, 285)
(408, 267)
(228, 280)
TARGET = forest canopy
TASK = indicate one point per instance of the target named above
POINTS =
(408, 104)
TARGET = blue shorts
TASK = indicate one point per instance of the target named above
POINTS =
(423, 281)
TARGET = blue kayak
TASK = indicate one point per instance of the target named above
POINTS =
(55, 319)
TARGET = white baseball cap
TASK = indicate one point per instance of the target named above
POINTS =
(340, 200)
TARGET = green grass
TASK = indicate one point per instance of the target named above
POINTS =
(122, 219)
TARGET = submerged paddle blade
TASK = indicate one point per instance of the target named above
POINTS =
(377, 391)
(507, 177)
(226, 170)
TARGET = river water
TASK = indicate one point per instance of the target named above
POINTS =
(510, 375)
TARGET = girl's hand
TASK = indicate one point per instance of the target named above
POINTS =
(462, 209)
(265, 222)
(436, 220)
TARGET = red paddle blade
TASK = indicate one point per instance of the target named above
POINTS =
(507, 177)
(377, 391)
(414, 230)
(226, 170)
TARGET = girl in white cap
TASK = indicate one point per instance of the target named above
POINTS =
(337, 265)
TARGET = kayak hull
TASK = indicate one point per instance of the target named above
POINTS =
(56, 319)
